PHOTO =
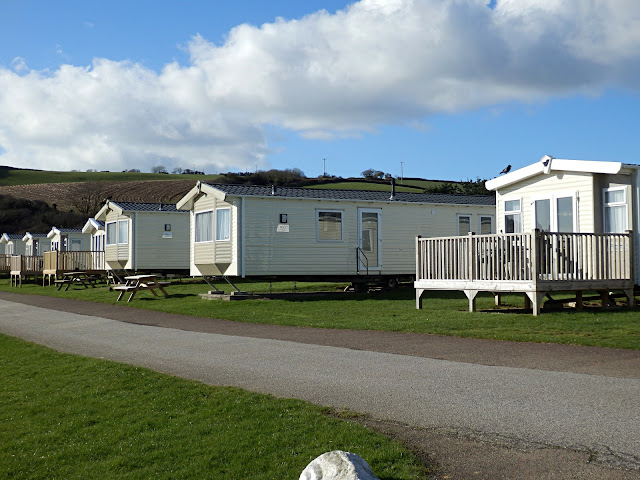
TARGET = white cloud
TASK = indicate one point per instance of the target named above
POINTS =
(324, 75)
(19, 65)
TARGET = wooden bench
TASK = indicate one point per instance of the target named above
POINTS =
(70, 278)
(136, 283)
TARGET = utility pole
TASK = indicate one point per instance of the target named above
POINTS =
(401, 172)
(324, 167)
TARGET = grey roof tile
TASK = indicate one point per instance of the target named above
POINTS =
(364, 195)
(147, 207)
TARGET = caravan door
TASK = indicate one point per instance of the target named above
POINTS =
(370, 238)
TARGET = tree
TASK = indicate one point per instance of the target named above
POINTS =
(368, 173)
(159, 169)
(88, 197)
(177, 170)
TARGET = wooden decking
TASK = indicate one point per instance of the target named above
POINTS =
(22, 266)
(55, 262)
(5, 263)
(532, 263)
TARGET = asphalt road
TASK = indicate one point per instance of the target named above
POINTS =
(525, 407)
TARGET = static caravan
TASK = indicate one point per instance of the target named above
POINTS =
(572, 196)
(36, 244)
(298, 233)
(96, 229)
(564, 226)
(13, 243)
(69, 240)
(145, 236)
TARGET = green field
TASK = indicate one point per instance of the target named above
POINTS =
(11, 176)
(444, 313)
(351, 185)
(65, 416)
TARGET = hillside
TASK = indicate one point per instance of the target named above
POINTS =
(69, 196)
(21, 176)
(48, 198)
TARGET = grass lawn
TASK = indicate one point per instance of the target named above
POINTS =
(444, 313)
(65, 416)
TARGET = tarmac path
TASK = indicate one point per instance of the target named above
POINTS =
(589, 406)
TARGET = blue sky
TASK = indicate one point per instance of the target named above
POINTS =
(449, 89)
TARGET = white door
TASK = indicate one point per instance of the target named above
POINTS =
(370, 239)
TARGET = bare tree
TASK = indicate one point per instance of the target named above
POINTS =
(159, 169)
(88, 197)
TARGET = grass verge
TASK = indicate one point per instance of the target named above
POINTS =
(444, 313)
(65, 416)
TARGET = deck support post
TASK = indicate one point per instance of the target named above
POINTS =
(471, 295)
(497, 299)
(606, 300)
(630, 298)
(419, 292)
(536, 299)
(579, 304)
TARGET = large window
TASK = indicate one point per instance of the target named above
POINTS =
(123, 231)
(329, 225)
(512, 216)
(615, 210)
(204, 227)
(464, 224)
(223, 224)
(111, 233)
(554, 214)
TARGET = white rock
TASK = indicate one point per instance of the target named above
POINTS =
(338, 465)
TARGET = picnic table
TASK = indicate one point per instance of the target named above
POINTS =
(70, 278)
(135, 283)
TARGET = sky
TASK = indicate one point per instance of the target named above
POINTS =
(439, 89)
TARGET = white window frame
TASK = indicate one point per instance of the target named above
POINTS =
(553, 206)
(491, 228)
(518, 212)
(115, 235)
(468, 217)
(226, 238)
(624, 204)
(329, 210)
(195, 227)
(126, 240)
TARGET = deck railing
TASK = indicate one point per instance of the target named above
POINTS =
(526, 257)
(21, 264)
(5, 262)
(55, 261)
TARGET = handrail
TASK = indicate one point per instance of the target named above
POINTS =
(74, 260)
(5, 262)
(539, 256)
(358, 259)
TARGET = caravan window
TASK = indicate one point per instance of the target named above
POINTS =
(512, 216)
(123, 231)
(615, 210)
(111, 234)
(464, 224)
(329, 225)
(223, 224)
(486, 225)
(204, 227)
